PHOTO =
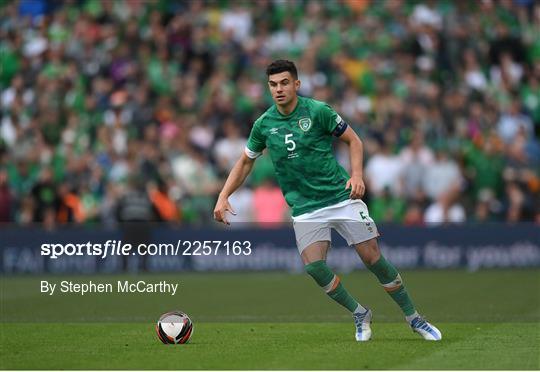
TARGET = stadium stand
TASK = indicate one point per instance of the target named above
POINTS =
(136, 110)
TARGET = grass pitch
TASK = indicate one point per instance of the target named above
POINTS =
(489, 320)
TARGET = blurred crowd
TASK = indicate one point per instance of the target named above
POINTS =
(133, 110)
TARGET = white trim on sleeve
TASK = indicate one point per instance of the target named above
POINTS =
(252, 154)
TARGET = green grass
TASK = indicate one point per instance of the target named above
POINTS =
(269, 346)
(489, 319)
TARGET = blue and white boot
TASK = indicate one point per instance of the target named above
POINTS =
(362, 321)
(427, 330)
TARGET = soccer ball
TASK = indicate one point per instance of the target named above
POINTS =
(174, 327)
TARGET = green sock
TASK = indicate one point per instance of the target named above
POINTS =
(391, 281)
(330, 282)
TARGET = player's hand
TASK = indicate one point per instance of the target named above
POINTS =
(223, 206)
(356, 184)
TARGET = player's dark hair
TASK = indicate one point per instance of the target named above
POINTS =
(282, 65)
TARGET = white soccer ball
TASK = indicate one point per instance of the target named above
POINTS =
(174, 327)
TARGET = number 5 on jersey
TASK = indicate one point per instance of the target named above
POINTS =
(291, 145)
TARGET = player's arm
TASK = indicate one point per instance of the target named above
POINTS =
(356, 153)
(236, 178)
(254, 147)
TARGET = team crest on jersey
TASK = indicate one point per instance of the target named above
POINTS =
(304, 124)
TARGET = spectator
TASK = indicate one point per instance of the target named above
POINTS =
(384, 170)
(441, 176)
(44, 194)
(387, 208)
(6, 199)
(244, 207)
(93, 93)
(135, 205)
(269, 206)
(416, 158)
(512, 121)
(413, 215)
(445, 210)
(166, 208)
(228, 149)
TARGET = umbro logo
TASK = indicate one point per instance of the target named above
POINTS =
(274, 130)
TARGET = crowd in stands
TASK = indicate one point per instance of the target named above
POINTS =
(133, 110)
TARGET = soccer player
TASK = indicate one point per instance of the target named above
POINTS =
(298, 134)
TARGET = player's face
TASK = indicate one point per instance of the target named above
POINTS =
(283, 87)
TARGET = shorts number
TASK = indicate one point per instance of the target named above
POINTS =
(289, 142)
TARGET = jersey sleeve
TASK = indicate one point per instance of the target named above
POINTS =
(331, 121)
(256, 142)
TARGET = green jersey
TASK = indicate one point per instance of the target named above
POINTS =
(300, 146)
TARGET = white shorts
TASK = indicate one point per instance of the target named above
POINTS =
(350, 218)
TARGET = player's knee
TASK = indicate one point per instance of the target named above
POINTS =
(369, 251)
(371, 259)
